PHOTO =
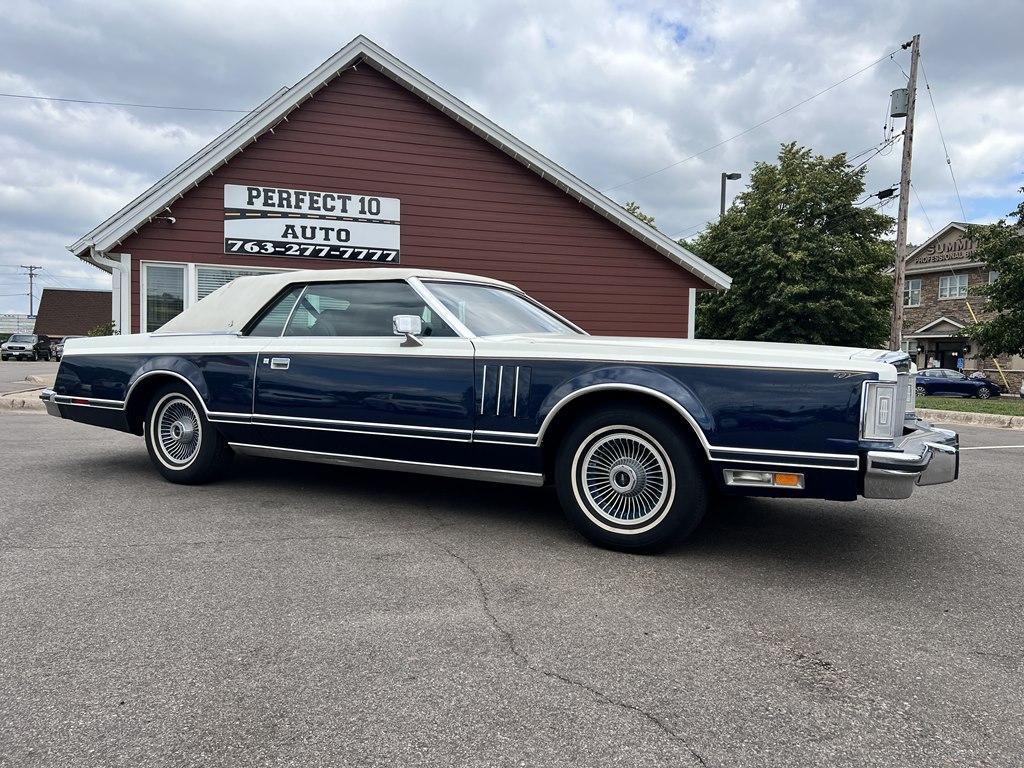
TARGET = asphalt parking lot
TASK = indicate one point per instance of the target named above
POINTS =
(13, 374)
(310, 615)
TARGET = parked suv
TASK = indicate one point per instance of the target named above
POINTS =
(26, 346)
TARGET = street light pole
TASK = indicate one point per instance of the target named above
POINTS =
(726, 177)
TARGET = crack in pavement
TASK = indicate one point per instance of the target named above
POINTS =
(524, 660)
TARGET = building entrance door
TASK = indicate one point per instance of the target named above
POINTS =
(947, 353)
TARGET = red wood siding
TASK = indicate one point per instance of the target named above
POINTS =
(466, 206)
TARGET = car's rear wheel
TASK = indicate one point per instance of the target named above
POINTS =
(182, 444)
(984, 393)
(628, 480)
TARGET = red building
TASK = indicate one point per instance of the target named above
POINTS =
(366, 162)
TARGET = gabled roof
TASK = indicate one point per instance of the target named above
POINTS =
(962, 226)
(187, 175)
(922, 331)
(71, 312)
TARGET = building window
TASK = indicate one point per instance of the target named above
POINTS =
(912, 293)
(165, 294)
(993, 276)
(953, 287)
(209, 279)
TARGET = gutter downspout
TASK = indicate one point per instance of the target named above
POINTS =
(118, 268)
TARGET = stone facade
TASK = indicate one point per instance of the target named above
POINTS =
(932, 330)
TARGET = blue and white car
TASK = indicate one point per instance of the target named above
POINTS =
(451, 374)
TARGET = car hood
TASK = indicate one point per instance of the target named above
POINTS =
(752, 354)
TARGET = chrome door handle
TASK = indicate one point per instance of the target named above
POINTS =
(280, 363)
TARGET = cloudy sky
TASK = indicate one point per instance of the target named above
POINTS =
(611, 90)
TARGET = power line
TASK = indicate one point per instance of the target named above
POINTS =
(949, 163)
(755, 127)
(118, 103)
(921, 206)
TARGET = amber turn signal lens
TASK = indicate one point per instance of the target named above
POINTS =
(788, 480)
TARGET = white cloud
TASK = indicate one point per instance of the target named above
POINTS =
(612, 91)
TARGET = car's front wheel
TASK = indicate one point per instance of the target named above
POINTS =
(182, 444)
(921, 391)
(984, 393)
(629, 480)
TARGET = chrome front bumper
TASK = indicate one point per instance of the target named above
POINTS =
(927, 456)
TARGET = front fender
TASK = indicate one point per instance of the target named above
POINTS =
(633, 378)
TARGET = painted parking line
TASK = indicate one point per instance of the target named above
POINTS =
(987, 447)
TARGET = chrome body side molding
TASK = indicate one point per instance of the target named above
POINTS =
(534, 479)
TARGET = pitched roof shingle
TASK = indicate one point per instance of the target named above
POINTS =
(69, 312)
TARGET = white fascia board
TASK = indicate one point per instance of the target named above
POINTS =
(203, 163)
(162, 194)
(933, 323)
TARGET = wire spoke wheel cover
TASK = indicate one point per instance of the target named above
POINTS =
(177, 432)
(623, 479)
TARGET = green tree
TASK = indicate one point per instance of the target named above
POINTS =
(807, 264)
(103, 329)
(634, 208)
(1001, 246)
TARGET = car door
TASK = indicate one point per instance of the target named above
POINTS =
(958, 384)
(337, 380)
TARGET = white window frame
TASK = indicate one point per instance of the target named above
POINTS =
(993, 275)
(193, 270)
(962, 283)
(143, 288)
(191, 292)
(908, 292)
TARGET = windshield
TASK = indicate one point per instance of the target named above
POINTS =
(490, 311)
(21, 338)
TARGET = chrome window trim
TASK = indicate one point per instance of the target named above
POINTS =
(437, 306)
(529, 299)
(291, 312)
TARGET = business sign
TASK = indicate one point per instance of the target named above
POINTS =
(960, 249)
(275, 221)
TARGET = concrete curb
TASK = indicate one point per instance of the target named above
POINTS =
(23, 401)
(975, 419)
(46, 381)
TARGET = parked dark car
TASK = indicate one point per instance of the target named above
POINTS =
(947, 383)
(26, 346)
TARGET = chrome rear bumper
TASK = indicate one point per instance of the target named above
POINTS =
(51, 407)
(927, 456)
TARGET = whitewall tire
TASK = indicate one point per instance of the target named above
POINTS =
(629, 479)
(182, 444)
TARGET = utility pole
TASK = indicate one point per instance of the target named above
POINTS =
(31, 285)
(896, 334)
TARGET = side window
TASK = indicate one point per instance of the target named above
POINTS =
(360, 309)
(276, 315)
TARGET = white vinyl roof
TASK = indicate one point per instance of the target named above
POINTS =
(231, 306)
(189, 174)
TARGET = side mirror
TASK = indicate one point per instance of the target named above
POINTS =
(409, 326)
